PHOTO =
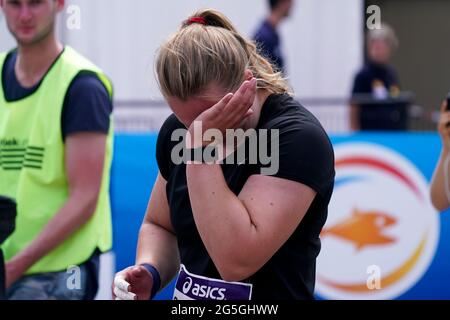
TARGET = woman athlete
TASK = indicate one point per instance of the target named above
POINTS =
(227, 229)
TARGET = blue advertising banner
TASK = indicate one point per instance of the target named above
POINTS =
(382, 240)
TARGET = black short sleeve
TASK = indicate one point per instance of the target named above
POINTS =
(360, 84)
(87, 106)
(307, 157)
(305, 151)
(164, 145)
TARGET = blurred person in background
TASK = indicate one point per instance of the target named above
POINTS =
(375, 84)
(267, 36)
(440, 185)
(230, 228)
(56, 149)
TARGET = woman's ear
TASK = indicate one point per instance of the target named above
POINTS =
(248, 74)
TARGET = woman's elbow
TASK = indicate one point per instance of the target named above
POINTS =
(439, 206)
(439, 202)
(235, 270)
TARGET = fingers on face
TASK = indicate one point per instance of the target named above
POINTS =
(237, 105)
(251, 92)
(244, 97)
(249, 113)
(225, 101)
(221, 105)
(238, 96)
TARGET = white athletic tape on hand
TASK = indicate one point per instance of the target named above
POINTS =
(123, 295)
(119, 282)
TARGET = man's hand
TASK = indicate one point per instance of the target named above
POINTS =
(14, 270)
(133, 283)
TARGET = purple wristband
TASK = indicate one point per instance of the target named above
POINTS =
(156, 279)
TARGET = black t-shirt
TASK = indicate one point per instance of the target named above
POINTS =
(306, 156)
(87, 105)
(381, 83)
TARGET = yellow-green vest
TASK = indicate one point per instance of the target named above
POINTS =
(32, 167)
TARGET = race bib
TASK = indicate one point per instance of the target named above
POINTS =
(192, 287)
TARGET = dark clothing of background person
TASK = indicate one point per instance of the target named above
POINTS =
(7, 225)
(269, 42)
(378, 85)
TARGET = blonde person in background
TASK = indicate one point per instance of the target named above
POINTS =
(375, 84)
(440, 187)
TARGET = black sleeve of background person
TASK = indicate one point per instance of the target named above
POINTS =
(394, 77)
(359, 84)
(164, 145)
(87, 106)
(307, 157)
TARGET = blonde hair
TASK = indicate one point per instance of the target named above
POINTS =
(212, 53)
(386, 33)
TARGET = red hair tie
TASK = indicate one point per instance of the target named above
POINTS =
(199, 20)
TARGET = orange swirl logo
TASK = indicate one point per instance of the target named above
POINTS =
(379, 216)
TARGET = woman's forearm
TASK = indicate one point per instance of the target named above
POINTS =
(438, 188)
(158, 247)
(222, 219)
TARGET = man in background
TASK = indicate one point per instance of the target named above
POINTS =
(267, 36)
(56, 149)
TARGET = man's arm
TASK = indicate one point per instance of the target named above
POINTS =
(85, 154)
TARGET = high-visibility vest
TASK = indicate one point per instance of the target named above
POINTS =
(32, 167)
